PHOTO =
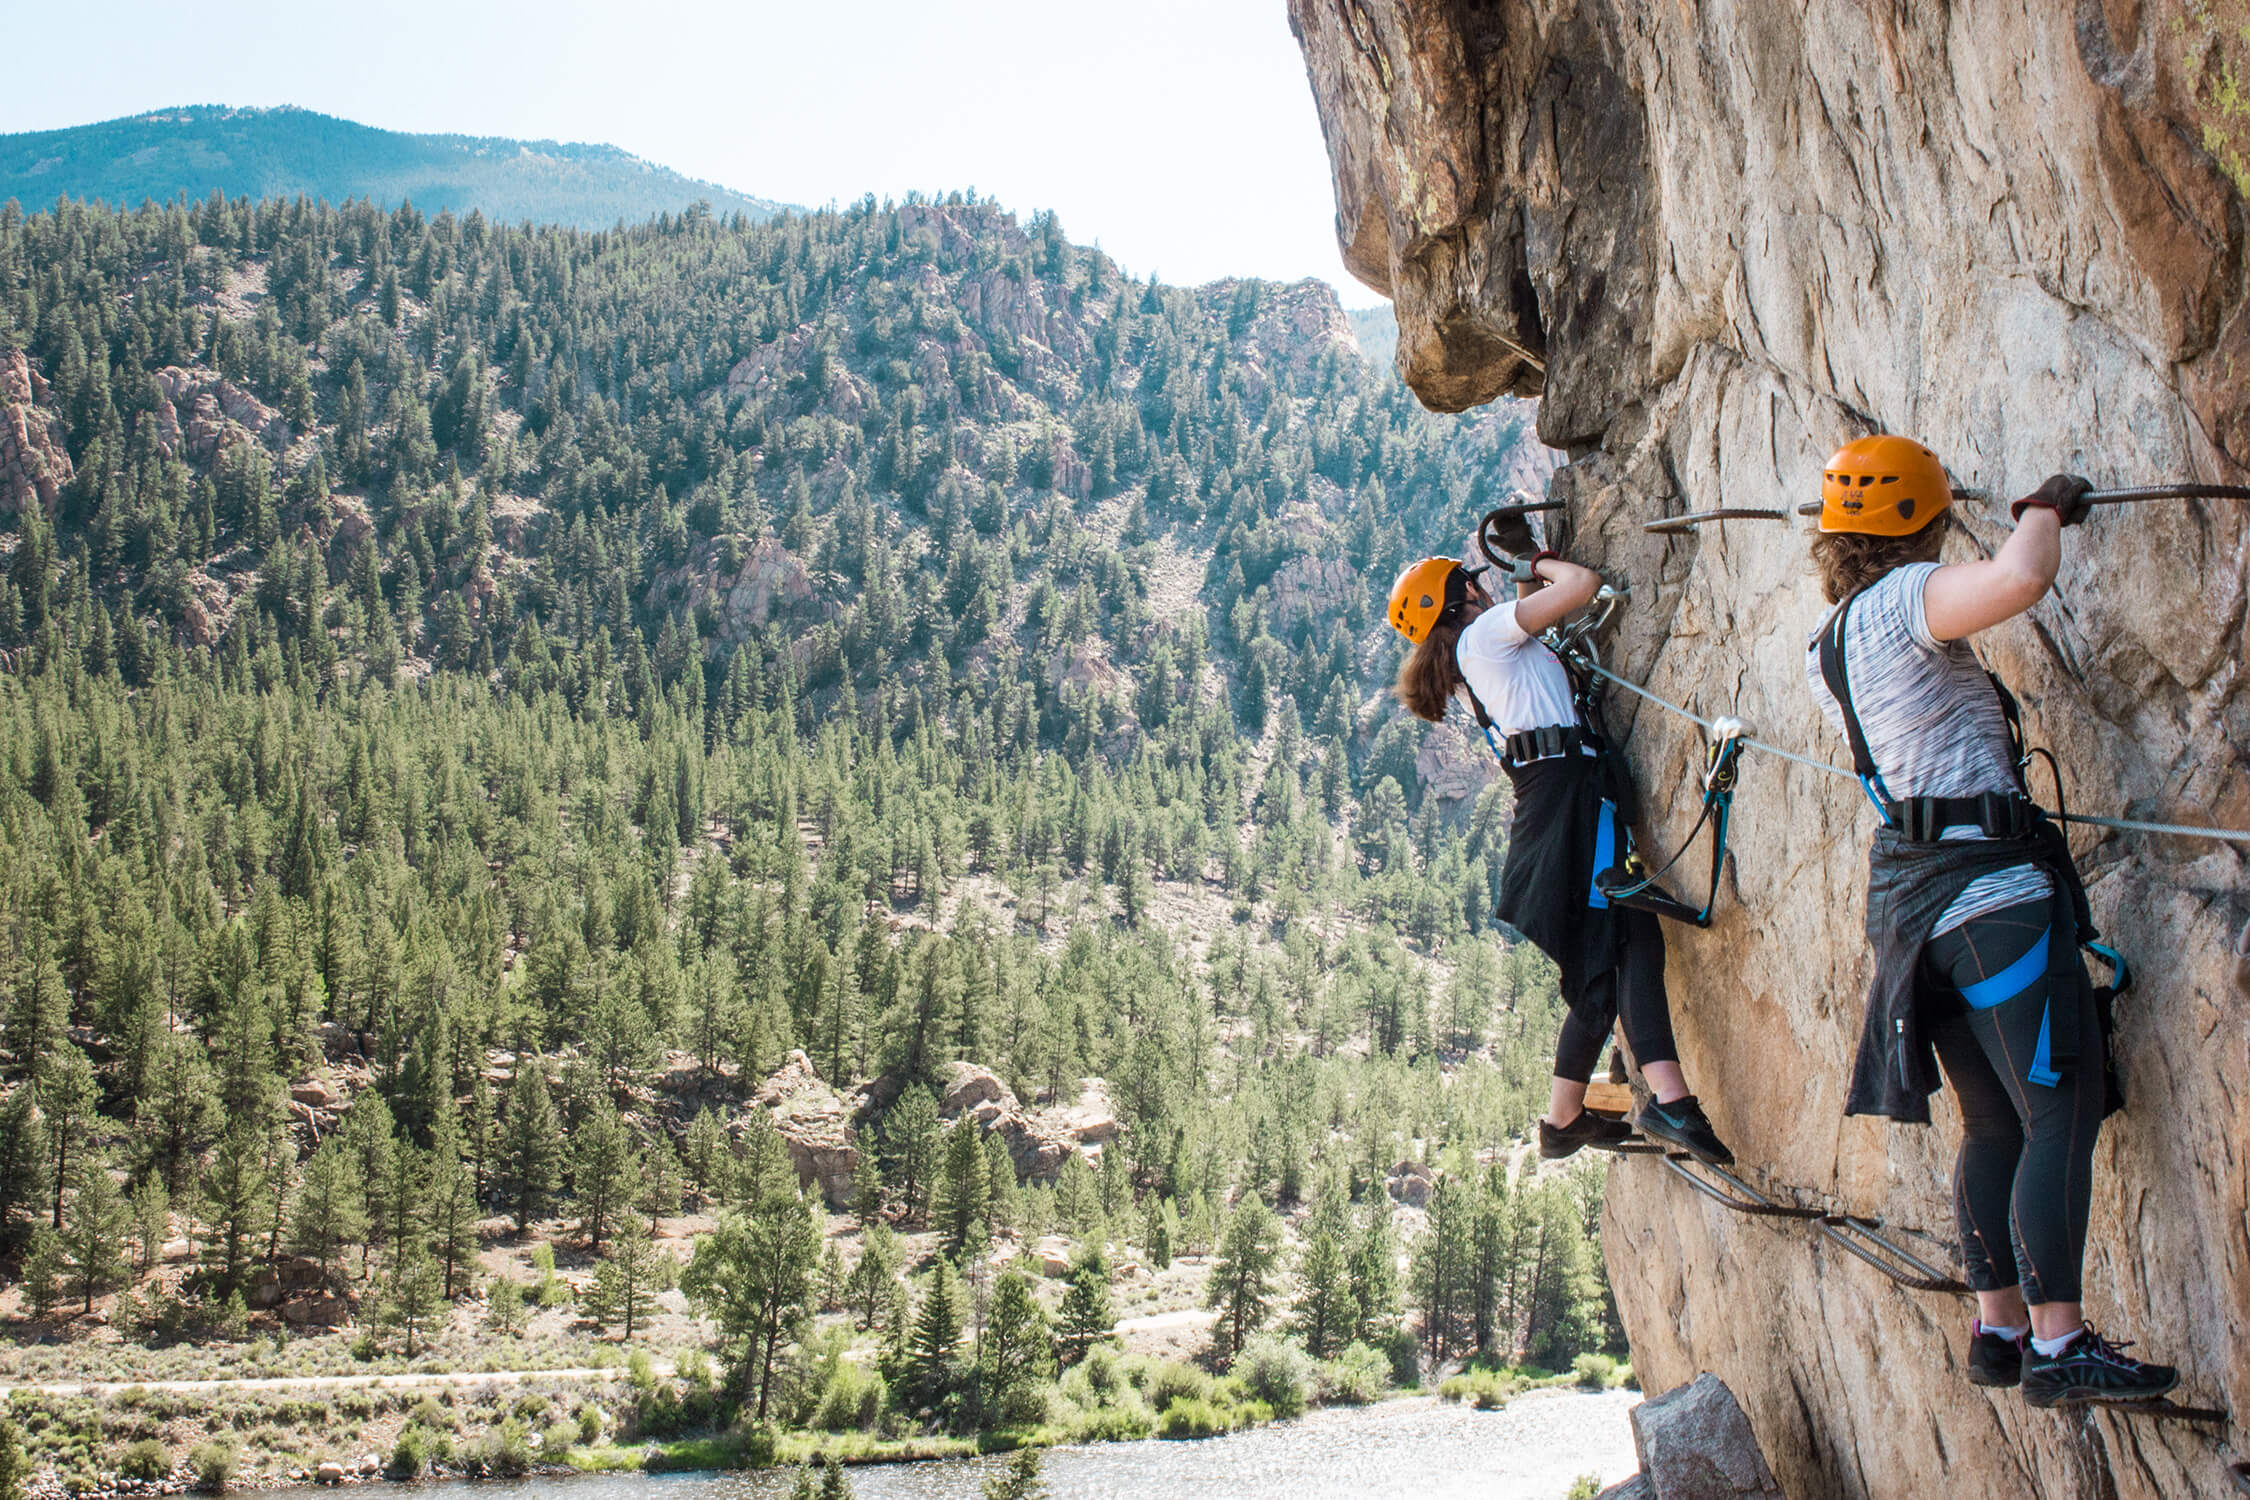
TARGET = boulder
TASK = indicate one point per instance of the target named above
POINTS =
(1695, 1444)
(285, 1278)
(968, 1086)
(1715, 249)
(316, 1093)
(330, 1472)
(1411, 1183)
(320, 1310)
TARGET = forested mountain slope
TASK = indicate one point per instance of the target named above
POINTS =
(478, 699)
(198, 150)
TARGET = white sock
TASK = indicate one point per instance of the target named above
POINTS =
(1999, 1332)
(2049, 1348)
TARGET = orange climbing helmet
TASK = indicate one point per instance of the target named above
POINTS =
(1883, 485)
(1422, 593)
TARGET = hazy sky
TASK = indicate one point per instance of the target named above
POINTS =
(1178, 133)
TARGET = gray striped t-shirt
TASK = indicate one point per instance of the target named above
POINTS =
(1931, 719)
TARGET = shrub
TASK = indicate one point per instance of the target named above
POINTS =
(1027, 1404)
(411, 1455)
(213, 1464)
(1172, 1380)
(589, 1424)
(558, 1438)
(144, 1460)
(1275, 1371)
(853, 1398)
(1488, 1389)
(1596, 1372)
(1191, 1417)
(507, 1449)
(1584, 1487)
(1353, 1378)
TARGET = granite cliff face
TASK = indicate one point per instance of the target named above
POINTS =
(1717, 241)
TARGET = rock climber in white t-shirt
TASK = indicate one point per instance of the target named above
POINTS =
(1568, 787)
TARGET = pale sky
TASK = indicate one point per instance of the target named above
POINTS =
(1180, 134)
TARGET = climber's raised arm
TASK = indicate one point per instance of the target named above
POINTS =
(1552, 591)
(1960, 599)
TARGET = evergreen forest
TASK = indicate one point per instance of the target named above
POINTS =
(812, 798)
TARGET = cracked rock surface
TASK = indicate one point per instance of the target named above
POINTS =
(1718, 240)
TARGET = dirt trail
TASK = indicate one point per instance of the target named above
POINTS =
(314, 1382)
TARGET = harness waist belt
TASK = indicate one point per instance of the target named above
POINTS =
(1543, 743)
(1998, 815)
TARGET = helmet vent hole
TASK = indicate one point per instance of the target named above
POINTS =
(1865, 480)
(1890, 479)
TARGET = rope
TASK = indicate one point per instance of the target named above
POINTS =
(2126, 825)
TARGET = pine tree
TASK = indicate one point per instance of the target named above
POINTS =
(412, 1293)
(1241, 1285)
(93, 1234)
(1020, 1480)
(628, 1278)
(931, 1375)
(330, 1210)
(604, 1167)
(753, 1277)
(531, 1144)
(452, 1208)
(964, 1193)
(1016, 1348)
(1327, 1315)
(910, 1140)
(1087, 1315)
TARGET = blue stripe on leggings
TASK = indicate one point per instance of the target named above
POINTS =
(2011, 981)
(1605, 853)
(2042, 1070)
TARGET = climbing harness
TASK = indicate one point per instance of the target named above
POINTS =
(1720, 757)
(1695, 518)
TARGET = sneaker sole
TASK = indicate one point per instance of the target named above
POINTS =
(1659, 1134)
(1995, 1382)
(2079, 1395)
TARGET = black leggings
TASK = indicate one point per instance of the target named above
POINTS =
(1633, 992)
(2024, 1182)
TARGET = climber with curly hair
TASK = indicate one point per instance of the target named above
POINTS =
(1974, 907)
(1567, 784)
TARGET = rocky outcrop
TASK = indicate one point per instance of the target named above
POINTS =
(816, 1124)
(1039, 1141)
(34, 465)
(198, 414)
(762, 579)
(1716, 244)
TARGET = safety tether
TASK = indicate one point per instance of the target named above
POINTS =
(2127, 825)
(1719, 757)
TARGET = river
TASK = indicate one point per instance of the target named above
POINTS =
(1416, 1448)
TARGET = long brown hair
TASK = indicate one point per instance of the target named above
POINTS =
(1429, 675)
(1849, 560)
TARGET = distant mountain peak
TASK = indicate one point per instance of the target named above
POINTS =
(286, 150)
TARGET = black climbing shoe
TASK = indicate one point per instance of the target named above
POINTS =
(2091, 1368)
(1589, 1129)
(1681, 1123)
(1994, 1360)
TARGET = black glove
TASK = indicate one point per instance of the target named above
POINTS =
(2064, 494)
(1512, 535)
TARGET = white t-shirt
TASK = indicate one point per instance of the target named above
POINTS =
(1518, 680)
(1931, 719)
